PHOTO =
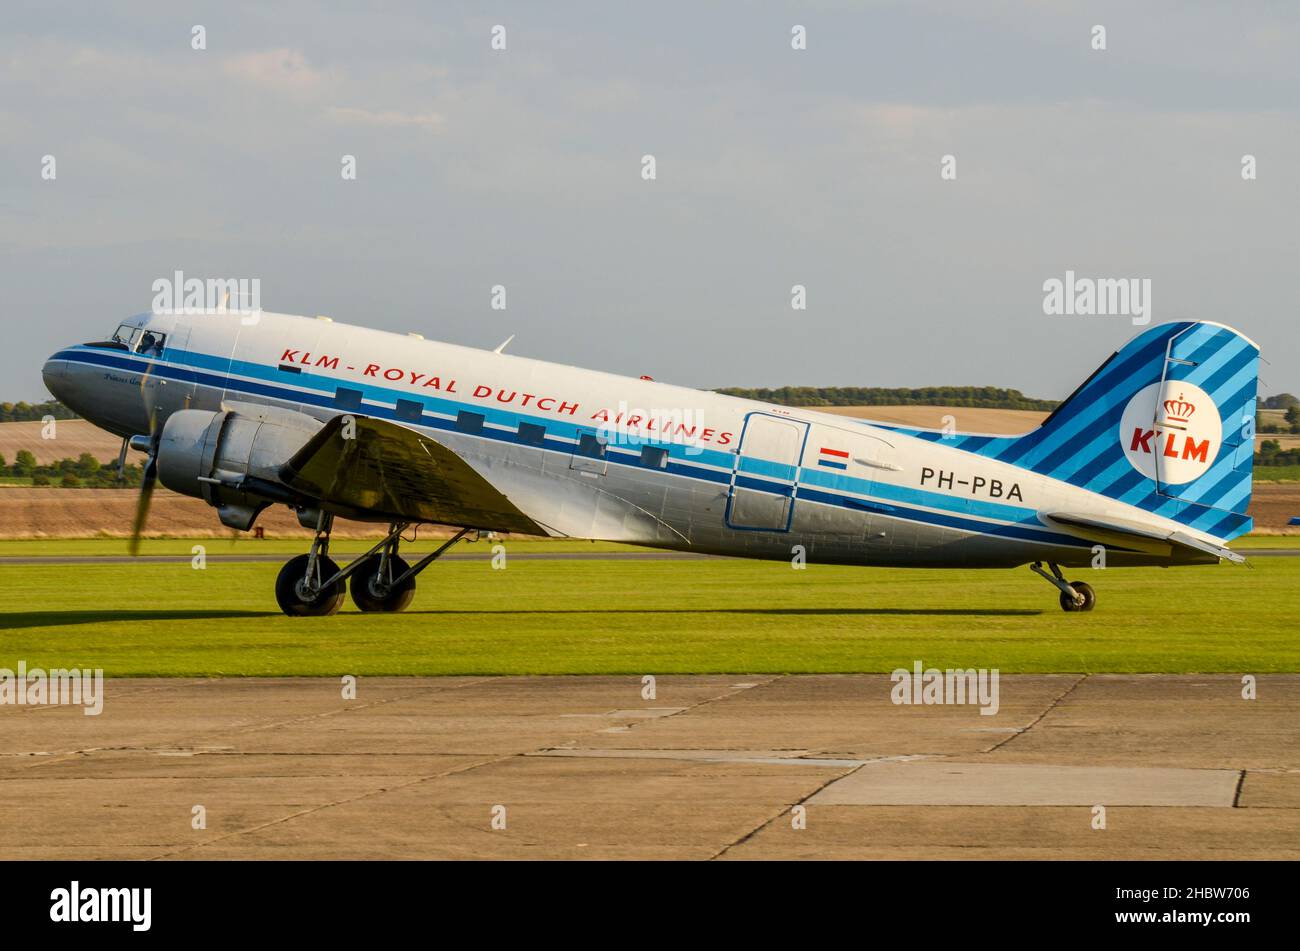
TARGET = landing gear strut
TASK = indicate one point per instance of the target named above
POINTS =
(1075, 595)
(308, 585)
(313, 585)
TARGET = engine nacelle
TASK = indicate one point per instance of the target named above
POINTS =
(231, 459)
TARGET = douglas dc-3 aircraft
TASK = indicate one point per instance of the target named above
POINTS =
(1149, 458)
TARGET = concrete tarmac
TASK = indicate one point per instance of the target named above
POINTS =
(730, 767)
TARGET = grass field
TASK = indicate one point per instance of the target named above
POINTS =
(1276, 474)
(1265, 541)
(639, 617)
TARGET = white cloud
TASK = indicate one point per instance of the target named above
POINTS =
(281, 69)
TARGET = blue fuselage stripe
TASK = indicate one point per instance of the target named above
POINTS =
(502, 426)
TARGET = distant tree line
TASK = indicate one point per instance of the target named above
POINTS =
(23, 412)
(977, 397)
(1271, 453)
(1281, 401)
(83, 472)
(1291, 424)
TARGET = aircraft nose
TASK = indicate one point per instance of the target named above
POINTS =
(108, 400)
(54, 372)
(68, 386)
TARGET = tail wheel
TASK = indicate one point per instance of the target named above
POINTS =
(1085, 590)
(297, 602)
(370, 593)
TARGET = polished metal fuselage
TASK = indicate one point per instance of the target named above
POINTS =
(738, 477)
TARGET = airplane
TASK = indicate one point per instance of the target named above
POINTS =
(1147, 462)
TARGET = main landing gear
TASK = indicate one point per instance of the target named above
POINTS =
(313, 585)
(1075, 595)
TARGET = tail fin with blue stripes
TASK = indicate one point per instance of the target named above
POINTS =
(1166, 424)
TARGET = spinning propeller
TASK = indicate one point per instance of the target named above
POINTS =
(147, 444)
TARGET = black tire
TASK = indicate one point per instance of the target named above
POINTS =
(326, 602)
(1089, 597)
(368, 596)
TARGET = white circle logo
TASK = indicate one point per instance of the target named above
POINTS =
(1171, 432)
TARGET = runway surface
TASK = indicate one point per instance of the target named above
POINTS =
(711, 767)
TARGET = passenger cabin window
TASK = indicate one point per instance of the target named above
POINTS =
(591, 446)
(347, 399)
(530, 434)
(410, 411)
(471, 423)
(654, 457)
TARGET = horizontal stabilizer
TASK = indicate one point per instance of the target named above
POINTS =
(1135, 536)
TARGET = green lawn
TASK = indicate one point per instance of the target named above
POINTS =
(1276, 474)
(1265, 541)
(639, 617)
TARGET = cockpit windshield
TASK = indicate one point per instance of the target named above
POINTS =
(138, 340)
(126, 335)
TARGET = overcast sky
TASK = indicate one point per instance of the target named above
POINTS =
(775, 167)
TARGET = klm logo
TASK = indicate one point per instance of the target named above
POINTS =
(1173, 436)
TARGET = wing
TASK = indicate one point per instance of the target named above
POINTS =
(1132, 535)
(379, 468)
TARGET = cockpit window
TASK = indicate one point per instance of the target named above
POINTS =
(150, 344)
(127, 336)
(139, 340)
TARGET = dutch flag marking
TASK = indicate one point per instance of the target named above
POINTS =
(833, 458)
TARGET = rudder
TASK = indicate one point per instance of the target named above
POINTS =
(1166, 424)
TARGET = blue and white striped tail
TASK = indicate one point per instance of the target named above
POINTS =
(1166, 424)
